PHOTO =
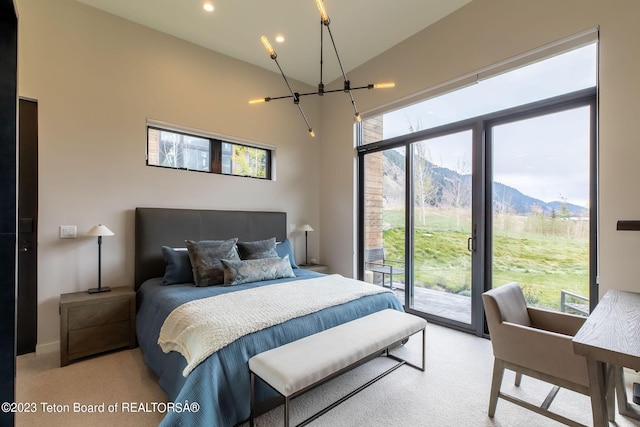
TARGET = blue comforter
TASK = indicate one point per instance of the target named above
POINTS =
(220, 385)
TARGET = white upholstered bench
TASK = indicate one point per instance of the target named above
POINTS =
(299, 366)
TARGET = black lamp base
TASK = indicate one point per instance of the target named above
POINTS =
(96, 290)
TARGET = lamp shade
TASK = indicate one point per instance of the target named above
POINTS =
(99, 230)
(306, 227)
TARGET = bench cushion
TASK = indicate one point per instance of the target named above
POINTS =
(302, 363)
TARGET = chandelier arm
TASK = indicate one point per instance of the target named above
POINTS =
(344, 75)
(293, 95)
(309, 93)
(342, 90)
(274, 98)
(353, 103)
(369, 86)
(280, 97)
(321, 50)
(304, 117)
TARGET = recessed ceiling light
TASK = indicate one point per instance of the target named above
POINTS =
(279, 38)
(208, 6)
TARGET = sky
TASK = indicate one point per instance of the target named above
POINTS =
(546, 157)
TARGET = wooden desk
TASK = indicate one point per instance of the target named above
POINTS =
(610, 340)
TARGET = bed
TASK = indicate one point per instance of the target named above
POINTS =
(215, 392)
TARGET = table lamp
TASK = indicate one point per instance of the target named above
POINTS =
(306, 228)
(99, 230)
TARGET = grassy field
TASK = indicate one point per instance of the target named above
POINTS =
(543, 255)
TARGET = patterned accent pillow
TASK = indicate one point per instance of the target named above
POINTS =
(205, 259)
(258, 249)
(255, 270)
(178, 268)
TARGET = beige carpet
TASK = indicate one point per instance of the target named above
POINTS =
(453, 391)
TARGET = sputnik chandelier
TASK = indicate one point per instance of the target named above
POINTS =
(324, 23)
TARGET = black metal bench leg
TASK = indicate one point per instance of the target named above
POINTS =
(252, 397)
(286, 411)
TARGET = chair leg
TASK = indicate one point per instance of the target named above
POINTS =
(496, 382)
(518, 379)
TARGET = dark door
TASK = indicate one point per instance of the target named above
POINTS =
(27, 227)
(8, 208)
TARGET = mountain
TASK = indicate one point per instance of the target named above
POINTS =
(521, 204)
(446, 187)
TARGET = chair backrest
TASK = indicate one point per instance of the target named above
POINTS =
(373, 254)
(507, 304)
(547, 354)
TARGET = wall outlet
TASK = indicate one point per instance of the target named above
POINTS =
(68, 231)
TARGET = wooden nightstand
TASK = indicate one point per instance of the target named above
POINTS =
(94, 323)
(319, 268)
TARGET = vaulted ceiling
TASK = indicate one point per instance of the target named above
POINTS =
(362, 28)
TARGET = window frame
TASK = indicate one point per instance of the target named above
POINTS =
(550, 50)
(481, 166)
(215, 150)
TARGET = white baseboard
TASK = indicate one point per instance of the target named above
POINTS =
(48, 347)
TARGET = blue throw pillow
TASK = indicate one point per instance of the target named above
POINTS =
(178, 269)
(285, 248)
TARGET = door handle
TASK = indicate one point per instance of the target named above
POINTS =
(471, 241)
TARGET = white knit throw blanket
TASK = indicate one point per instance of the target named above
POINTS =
(199, 328)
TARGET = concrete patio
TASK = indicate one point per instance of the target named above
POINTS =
(439, 303)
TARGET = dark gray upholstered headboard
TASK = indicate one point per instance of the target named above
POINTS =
(156, 227)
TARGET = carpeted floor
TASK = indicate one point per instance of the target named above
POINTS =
(453, 391)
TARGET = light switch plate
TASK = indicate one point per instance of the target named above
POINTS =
(68, 231)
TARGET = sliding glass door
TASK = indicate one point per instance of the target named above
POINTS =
(442, 228)
(453, 212)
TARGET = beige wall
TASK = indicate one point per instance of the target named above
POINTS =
(97, 78)
(483, 33)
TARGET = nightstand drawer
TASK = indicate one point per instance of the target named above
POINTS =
(86, 316)
(98, 338)
(98, 322)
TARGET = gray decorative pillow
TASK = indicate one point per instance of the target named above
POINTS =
(205, 259)
(258, 249)
(254, 270)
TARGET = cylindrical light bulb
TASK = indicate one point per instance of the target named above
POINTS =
(208, 6)
(323, 11)
(257, 101)
(386, 85)
(267, 46)
(312, 133)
